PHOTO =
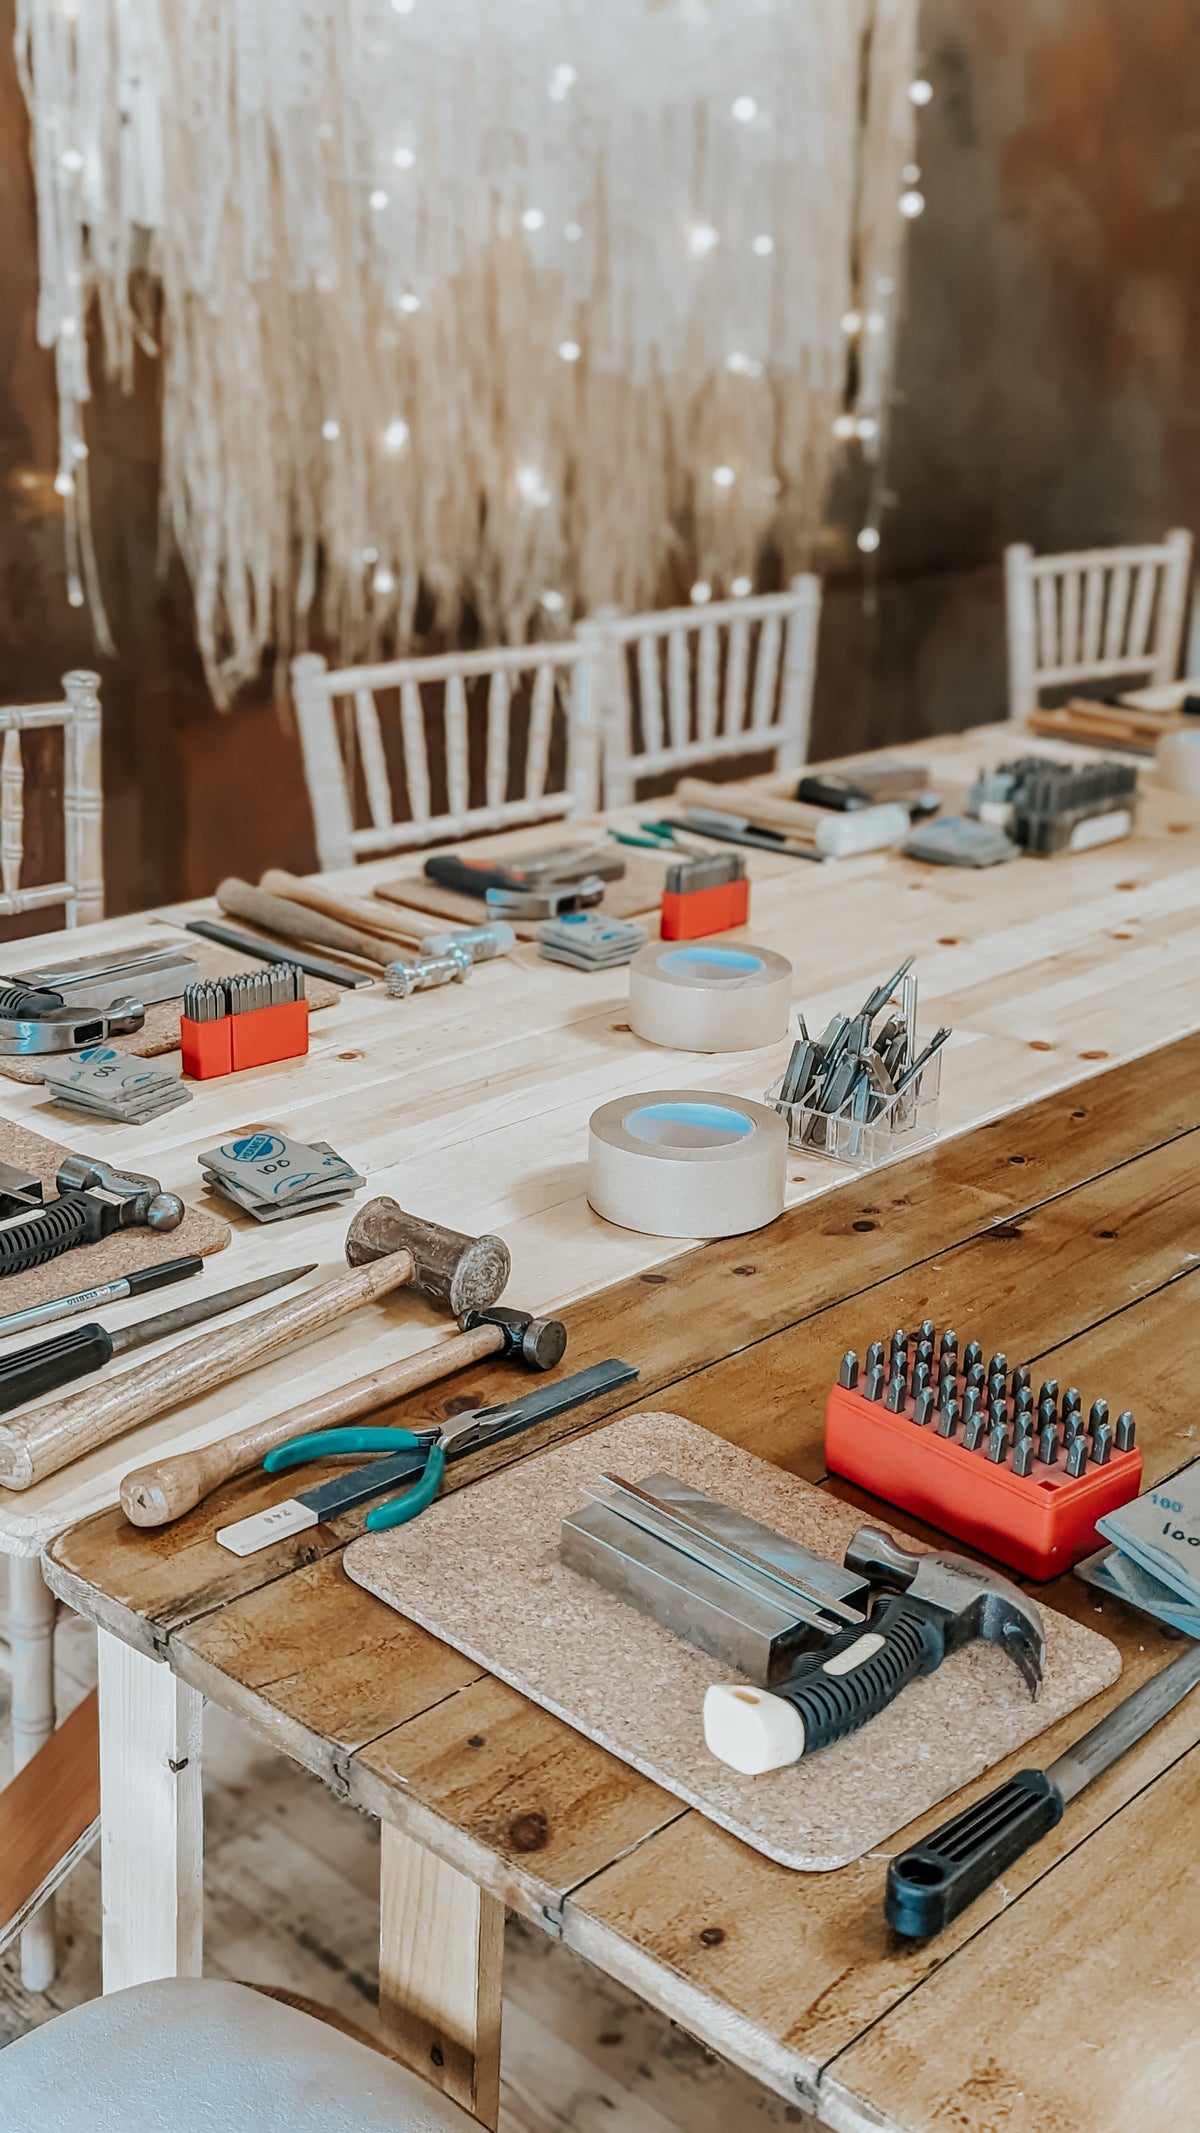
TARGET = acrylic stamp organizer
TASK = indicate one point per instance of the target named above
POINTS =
(905, 1122)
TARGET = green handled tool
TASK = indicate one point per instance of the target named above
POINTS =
(417, 1455)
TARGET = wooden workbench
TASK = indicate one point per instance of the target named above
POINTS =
(1064, 1232)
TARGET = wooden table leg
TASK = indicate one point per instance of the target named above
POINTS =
(441, 1963)
(31, 1634)
(151, 1819)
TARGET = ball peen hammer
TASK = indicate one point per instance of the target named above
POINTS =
(155, 1495)
(385, 1249)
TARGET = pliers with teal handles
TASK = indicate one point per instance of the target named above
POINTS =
(418, 1455)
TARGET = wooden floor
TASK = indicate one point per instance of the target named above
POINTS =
(580, 2053)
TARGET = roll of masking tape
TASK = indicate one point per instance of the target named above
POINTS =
(701, 997)
(687, 1163)
(1178, 759)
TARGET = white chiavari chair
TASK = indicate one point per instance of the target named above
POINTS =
(1099, 615)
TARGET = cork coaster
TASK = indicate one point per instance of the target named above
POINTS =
(88, 1265)
(159, 1032)
(481, 1571)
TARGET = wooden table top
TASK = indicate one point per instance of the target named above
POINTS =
(470, 1104)
(1065, 1233)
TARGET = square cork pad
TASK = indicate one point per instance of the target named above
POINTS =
(480, 1570)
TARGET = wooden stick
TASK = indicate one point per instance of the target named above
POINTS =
(155, 1495)
(762, 809)
(406, 928)
(275, 914)
(46, 1438)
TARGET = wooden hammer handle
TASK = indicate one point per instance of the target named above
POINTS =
(765, 810)
(45, 1438)
(156, 1494)
(275, 914)
(389, 921)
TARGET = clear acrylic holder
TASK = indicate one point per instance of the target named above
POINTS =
(905, 1122)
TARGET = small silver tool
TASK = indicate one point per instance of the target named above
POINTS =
(448, 969)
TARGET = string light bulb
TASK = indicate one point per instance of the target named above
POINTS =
(701, 593)
(570, 351)
(741, 587)
(742, 365)
(911, 173)
(868, 539)
(395, 436)
(64, 484)
(851, 321)
(383, 580)
(911, 204)
(866, 427)
(370, 555)
(701, 239)
(403, 7)
(562, 81)
(763, 246)
(532, 219)
(572, 231)
(920, 92)
(723, 477)
(72, 160)
(331, 431)
(844, 426)
(408, 302)
(378, 199)
(553, 602)
(403, 158)
(533, 487)
(744, 109)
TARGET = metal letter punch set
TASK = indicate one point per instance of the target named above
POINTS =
(862, 1086)
(971, 1447)
(1047, 807)
(703, 896)
(249, 1019)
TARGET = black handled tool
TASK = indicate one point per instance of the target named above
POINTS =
(135, 1284)
(43, 1368)
(932, 1883)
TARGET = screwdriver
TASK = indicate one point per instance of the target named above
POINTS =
(43, 1368)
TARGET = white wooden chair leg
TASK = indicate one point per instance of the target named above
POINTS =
(151, 1819)
(31, 1632)
(441, 1964)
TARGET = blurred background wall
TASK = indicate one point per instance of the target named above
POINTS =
(1048, 389)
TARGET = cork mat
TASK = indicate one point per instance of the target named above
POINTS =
(87, 1265)
(639, 890)
(481, 1570)
(159, 1032)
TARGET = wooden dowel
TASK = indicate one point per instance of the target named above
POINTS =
(46, 1438)
(390, 921)
(275, 914)
(155, 1495)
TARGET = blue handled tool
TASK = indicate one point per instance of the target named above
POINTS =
(418, 1456)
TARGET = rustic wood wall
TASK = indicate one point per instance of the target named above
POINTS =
(1049, 390)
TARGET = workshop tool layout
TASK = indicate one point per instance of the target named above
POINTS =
(274, 1178)
(481, 1570)
(48, 1365)
(107, 1083)
(94, 1199)
(316, 966)
(137, 1283)
(825, 831)
(863, 1083)
(394, 926)
(155, 1495)
(454, 1272)
(1048, 807)
(973, 1449)
(418, 1456)
(930, 1884)
(251, 1018)
(933, 1604)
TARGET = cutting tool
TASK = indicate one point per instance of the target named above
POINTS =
(418, 1456)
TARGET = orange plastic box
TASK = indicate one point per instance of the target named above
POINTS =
(690, 915)
(1038, 1526)
(236, 1042)
(206, 1047)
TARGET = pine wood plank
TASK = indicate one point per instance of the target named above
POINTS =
(152, 1821)
(441, 1961)
(1070, 2013)
(48, 1816)
(712, 1303)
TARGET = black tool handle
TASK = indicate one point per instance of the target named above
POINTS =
(453, 873)
(32, 1371)
(161, 1276)
(932, 1883)
(841, 1688)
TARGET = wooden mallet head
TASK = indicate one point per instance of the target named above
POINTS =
(454, 1273)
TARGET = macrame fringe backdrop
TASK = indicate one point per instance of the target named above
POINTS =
(534, 305)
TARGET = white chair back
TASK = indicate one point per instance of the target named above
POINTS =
(82, 890)
(529, 706)
(1102, 614)
(700, 684)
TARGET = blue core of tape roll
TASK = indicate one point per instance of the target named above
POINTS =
(684, 1125)
(711, 963)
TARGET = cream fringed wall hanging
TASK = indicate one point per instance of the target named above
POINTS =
(532, 305)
